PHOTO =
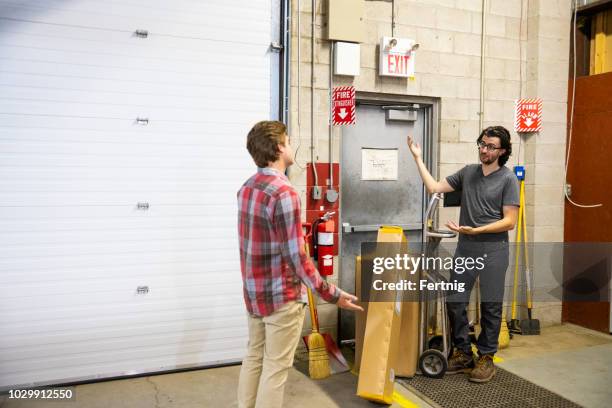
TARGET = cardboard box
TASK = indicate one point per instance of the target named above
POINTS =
(381, 340)
(408, 355)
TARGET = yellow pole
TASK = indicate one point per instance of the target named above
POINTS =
(518, 249)
(525, 242)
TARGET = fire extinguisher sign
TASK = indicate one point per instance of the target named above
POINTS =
(528, 115)
(343, 105)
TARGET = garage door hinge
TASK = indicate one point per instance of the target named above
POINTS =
(274, 46)
(141, 33)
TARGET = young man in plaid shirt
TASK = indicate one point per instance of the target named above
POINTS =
(274, 265)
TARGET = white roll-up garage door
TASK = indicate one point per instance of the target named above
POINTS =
(122, 147)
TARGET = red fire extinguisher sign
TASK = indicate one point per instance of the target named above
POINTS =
(528, 115)
(343, 102)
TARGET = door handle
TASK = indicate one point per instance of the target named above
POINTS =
(347, 228)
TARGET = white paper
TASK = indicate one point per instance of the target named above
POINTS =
(379, 164)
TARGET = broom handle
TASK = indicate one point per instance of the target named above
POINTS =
(518, 250)
(524, 216)
(314, 319)
(527, 271)
(313, 312)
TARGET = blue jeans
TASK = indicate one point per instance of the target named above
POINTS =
(492, 283)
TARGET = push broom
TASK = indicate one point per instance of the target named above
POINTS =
(321, 362)
(318, 360)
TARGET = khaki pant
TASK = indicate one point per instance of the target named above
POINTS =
(272, 343)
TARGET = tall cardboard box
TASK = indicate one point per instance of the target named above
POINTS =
(408, 354)
(382, 335)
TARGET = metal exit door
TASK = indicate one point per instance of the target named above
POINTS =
(380, 184)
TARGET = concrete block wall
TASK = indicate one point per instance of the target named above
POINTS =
(527, 47)
(547, 62)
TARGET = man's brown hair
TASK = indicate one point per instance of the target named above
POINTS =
(263, 141)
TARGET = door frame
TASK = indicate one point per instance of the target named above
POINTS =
(431, 139)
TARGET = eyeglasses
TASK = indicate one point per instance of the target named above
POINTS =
(488, 147)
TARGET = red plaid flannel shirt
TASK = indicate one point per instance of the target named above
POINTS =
(272, 256)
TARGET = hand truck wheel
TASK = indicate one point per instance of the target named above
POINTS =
(433, 363)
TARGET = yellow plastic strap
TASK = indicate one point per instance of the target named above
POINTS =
(402, 401)
(394, 230)
(391, 229)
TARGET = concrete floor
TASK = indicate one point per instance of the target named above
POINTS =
(568, 360)
(573, 362)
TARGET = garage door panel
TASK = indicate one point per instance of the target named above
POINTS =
(75, 152)
(157, 9)
(101, 99)
(114, 198)
(191, 12)
(40, 62)
(164, 163)
(192, 325)
(114, 317)
(92, 346)
(177, 259)
(167, 246)
(129, 113)
(86, 237)
(64, 37)
(143, 271)
(110, 124)
(98, 212)
(122, 87)
(75, 366)
(120, 317)
(125, 135)
(116, 365)
(75, 247)
(124, 300)
(136, 222)
(197, 150)
(211, 23)
(59, 54)
(123, 288)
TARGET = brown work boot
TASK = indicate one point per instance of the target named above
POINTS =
(460, 362)
(484, 369)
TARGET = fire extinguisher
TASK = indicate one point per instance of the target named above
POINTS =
(323, 243)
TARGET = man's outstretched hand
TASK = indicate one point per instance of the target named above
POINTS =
(414, 147)
(346, 302)
(461, 229)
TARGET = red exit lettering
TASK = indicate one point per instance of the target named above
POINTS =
(398, 64)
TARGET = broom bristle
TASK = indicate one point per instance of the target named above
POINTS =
(318, 360)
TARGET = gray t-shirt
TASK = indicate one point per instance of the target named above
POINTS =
(483, 198)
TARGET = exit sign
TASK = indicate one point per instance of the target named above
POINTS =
(397, 57)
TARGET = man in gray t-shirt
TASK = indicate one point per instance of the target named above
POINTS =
(489, 209)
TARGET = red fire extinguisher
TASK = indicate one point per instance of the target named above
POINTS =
(323, 243)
